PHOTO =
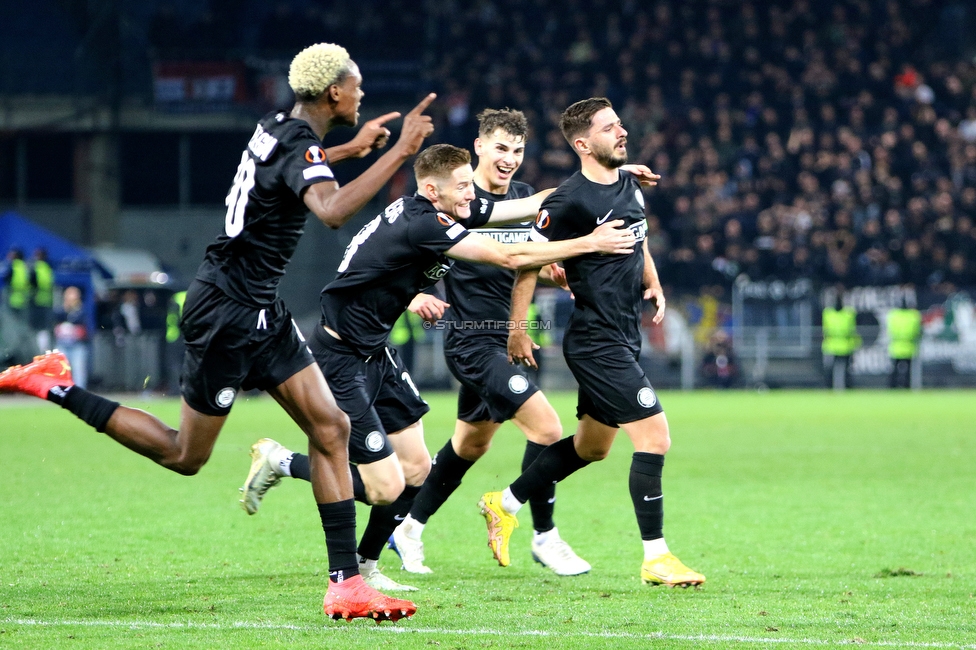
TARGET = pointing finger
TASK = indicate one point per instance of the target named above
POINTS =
(422, 106)
(383, 119)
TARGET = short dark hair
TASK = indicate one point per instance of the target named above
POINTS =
(440, 161)
(509, 120)
(575, 120)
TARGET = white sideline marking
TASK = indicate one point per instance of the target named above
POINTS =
(389, 629)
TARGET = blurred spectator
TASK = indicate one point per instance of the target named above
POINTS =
(71, 335)
(126, 319)
(720, 368)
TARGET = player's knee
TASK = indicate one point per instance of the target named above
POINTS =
(385, 492)
(547, 436)
(332, 433)
(415, 471)
(593, 455)
(472, 450)
(664, 444)
(187, 465)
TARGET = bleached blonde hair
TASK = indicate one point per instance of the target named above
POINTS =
(316, 68)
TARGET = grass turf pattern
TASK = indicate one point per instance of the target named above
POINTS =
(819, 519)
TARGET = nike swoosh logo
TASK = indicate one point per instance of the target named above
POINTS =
(605, 217)
(653, 498)
(399, 518)
(552, 500)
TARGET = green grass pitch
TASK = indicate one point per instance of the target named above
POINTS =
(819, 519)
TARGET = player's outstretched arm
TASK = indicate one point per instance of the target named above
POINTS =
(608, 238)
(372, 136)
(515, 210)
(520, 345)
(334, 205)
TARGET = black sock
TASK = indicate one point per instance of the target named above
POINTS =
(93, 409)
(301, 467)
(382, 521)
(358, 487)
(556, 462)
(339, 524)
(544, 502)
(446, 471)
(645, 491)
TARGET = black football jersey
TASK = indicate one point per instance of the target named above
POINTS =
(481, 294)
(265, 212)
(608, 288)
(392, 258)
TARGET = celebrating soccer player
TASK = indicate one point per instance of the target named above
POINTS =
(493, 390)
(238, 332)
(405, 249)
(601, 344)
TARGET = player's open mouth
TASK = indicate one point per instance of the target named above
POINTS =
(505, 171)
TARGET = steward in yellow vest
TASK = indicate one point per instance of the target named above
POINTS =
(18, 283)
(840, 341)
(904, 331)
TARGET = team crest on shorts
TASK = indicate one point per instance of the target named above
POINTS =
(225, 397)
(374, 441)
(646, 397)
(518, 384)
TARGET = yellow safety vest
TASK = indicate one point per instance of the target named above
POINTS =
(408, 326)
(43, 284)
(18, 288)
(539, 336)
(840, 337)
(173, 317)
(904, 330)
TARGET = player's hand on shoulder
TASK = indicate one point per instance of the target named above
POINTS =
(520, 347)
(612, 238)
(644, 175)
(428, 307)
(373, 135)
(656, 296)
(416, 127)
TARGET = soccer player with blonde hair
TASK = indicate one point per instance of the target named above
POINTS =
(239, 334)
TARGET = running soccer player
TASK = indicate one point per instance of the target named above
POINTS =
(238, 332)
(601, 344)
(493, 390)
(407, 248)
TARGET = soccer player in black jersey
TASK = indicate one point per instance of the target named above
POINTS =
(492, 390)
(406, 249)
(238, 332)
(602, 341)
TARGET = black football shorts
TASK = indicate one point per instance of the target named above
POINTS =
(491, 387)
(613, 388)
(231, 346)
(376, 393)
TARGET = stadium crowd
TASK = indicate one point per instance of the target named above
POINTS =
(834, 140)
(825, 140)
